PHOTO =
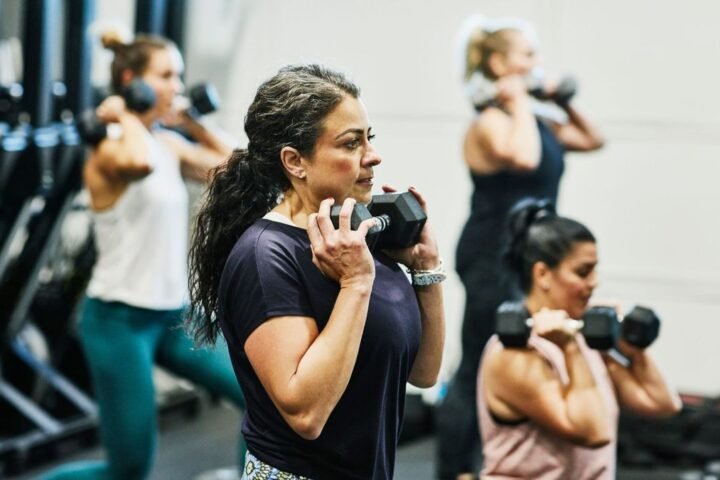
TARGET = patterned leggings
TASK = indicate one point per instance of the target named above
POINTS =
(258, 470)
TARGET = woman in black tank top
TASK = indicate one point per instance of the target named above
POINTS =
(512, 152)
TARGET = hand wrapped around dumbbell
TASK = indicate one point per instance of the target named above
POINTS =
(139, 97)
(400, 219)
(484, 92)
(560, 92)
(600, 326)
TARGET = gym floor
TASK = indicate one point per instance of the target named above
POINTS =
(188, 448)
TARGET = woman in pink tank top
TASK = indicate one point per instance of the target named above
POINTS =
(550, 410)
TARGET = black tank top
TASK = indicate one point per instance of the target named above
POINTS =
(495, 194)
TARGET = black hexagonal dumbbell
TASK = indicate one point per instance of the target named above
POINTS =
(204, 99)
(359, 214)
(407, 219)
(640, 327)
(139, 98)
(513, 324)
(399, 215)
(599, 326)
(562, 94)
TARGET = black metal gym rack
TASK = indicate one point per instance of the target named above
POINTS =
(41, 164)
(41, 160)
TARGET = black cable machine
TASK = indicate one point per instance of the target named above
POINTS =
(41, 180)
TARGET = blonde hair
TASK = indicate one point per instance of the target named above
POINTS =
(480, 47)
(479, 37)
(133, 55)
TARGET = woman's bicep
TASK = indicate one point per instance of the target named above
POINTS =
(531, 387)
(275, 349)
(492, 132)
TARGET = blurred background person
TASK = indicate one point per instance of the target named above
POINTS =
(550, 410)
(511, 151)
(137, 294)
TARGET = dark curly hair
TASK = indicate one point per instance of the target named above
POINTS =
(538, 234)
(288, 110)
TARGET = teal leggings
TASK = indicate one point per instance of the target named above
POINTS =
(122, 343)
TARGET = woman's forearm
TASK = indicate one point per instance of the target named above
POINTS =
(324, 371)
(209, 137)
(594, 138)
(649, 377)
(427, 363)
(586, 408)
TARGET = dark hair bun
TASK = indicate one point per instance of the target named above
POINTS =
(521, 217)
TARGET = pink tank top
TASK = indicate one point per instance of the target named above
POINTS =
(527, 451)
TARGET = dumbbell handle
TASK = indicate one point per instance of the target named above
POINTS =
(382, 222)
(619, 357)
(576, 326)
(614, 353)
(570, 323)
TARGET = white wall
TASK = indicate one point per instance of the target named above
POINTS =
(649, 72)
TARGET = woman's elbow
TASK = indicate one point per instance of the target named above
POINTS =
(424, 379)
(592, 437)
(596, 441)
(590, 145)
(307, 426)
(671, 407)
(424, 382)
(596, 144)
(522, 163)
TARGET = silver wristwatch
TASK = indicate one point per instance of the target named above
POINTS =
(422, 278)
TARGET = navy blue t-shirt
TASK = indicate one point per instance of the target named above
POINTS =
(270, 273)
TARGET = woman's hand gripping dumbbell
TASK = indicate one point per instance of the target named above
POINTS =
(600, 327)
(399, 219)
(139, 97)
(95, 125)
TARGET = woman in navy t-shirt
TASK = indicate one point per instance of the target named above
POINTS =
(322, 332)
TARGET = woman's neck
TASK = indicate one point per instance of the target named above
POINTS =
(294, 207)
(535, 301)
(148, 120)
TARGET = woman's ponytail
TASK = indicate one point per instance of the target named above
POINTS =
(237, 196)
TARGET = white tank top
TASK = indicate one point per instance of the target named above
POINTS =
(142, 239)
